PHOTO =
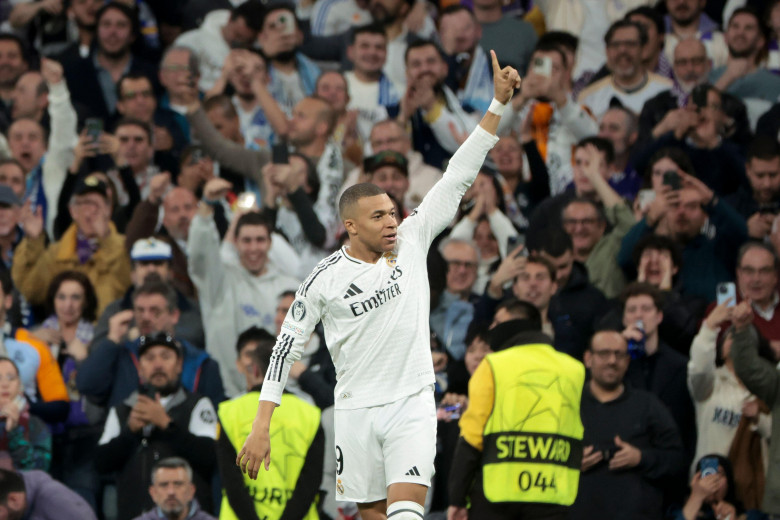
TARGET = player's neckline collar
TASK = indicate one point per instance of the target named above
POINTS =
(356, 260)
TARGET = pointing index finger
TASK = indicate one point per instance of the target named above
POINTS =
(496, 66)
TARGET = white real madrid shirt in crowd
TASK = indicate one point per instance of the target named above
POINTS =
(331, 17)
(376, 315)
(364, 97)
(598, 96)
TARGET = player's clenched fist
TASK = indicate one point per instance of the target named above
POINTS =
(505, 80)
(256, 451)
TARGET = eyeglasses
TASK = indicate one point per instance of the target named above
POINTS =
(572, 222)
(461, 263)
(605, 354)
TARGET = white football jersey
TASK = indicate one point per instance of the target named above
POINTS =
(376, 315)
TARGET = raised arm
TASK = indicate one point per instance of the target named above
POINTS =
(441, 203)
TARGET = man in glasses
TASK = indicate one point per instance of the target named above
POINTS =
(630, 440)
(160, 419)
(451, 317)
(629, 82)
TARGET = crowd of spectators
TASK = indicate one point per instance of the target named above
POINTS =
(170, 173)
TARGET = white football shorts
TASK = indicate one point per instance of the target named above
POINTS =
(383, 445)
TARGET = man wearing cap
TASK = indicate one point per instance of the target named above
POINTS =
(160, 419)
(524, 382)
(110, 372)
(390, 171)
(177, 206)
(153, 255)
(90, 245)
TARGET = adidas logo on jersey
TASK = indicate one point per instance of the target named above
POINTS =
(413, 472)
(352, 291)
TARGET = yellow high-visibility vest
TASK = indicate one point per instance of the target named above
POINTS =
(533, 437)
(293, 428)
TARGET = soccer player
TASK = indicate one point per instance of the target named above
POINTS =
(372, 298)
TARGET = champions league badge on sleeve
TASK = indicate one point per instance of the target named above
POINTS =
(298, 310)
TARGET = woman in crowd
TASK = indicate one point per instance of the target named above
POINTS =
(71, 304)
(23, 437)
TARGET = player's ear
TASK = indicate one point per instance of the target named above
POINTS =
(351, 226)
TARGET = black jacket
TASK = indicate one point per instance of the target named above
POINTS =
(642, 421)
(574, 312)
(132, 455)
(84, 87)
(664, 374)
(742, 200)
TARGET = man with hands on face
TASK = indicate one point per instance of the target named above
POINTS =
(708, 257)
(160, 419)
(631, 442)
(258, 112)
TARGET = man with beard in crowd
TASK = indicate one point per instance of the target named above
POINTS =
(93, 80)
(14, 61)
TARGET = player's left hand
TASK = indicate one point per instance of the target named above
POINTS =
(256, 450)
(505, 80)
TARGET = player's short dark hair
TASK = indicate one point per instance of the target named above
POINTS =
(10, 482)
(642, 289)
(418, 44)
(563, 39)
(353, 194)
(602, 144)
(131, 121)
(556, 243)
(764, 148)
(253, 334)
(755, 244)
(624, 24)
(658, 243)
(223, 103)
(253, 218)
(252, 12)
(172, 463)
(369, 28)
(261, 356)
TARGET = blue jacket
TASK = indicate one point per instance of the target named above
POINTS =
(109, 373)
